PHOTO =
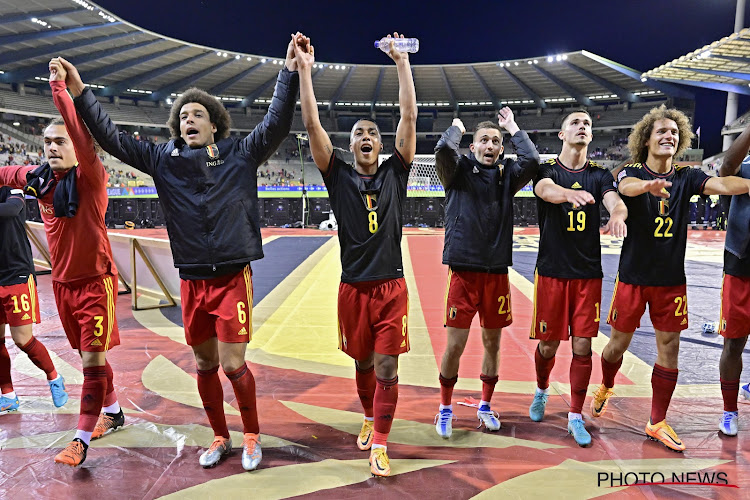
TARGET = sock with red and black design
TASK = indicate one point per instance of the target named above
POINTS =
(580, 373)
(6, 383)
(663, 382)
(212, 396)
(446, 389)
(609, 372)
(488, 386)
(110, 398)
(39, 355)
(365, 380)
(384, 408)
(543, 368)
(730, 389)
(92, 397)
(244, 389)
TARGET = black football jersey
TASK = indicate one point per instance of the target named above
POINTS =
(16, 260)
(569, 244)
(653, 253)
(368, 210)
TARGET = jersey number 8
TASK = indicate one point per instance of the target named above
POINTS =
(373, 225)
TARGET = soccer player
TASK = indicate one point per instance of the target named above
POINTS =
(207, 187)
(657, 194)
(479, 191)
(72, 196)
(734, 323)
(570, 190)
(19, 303)
(367, 200)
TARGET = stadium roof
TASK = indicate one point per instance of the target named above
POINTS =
(118, 58)
(722, 65)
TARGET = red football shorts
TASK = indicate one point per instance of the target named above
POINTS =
(565, 307)
(667, 306)
(469, 292)
(373, 317)
(219, 307)
(19, 304)
(735, 307)
(87, 312)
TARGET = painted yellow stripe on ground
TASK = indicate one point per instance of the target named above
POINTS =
(414, 433)
(574, 479)
(274, 483)
(418, 366)
(303, 324)
(171, 382)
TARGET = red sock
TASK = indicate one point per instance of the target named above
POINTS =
(366, 388)
(111, 397)
(38, 355)
(386, 396)
(488, 386)
(212, 395)
(244, 389)
(92, 397)
(6, 384)
(543, 368)
(663, 382)
(730, 389)
(580, 373)
(609, 371)
(446, 389)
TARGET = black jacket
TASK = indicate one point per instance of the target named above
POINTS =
(16, 262)
(479, 202)
(209, 195)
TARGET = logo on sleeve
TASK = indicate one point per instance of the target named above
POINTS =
(621, 175)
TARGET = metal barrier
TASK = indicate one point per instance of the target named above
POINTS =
(144, 265)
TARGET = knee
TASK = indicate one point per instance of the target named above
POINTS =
(491, 341)
(733, 347)
(206, 362)
(386, 368)
(548, 349)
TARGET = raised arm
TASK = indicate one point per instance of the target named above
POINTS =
(406, 132)
(618, 212)
(141, 155)
(735, 154)
(446, 152)
(727, 185)
(526, 166)
(268, 135)
(632, 187)
(550, 192)
(83, 143)
(320, 144)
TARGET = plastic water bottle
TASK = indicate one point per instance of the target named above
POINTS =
(401, 44)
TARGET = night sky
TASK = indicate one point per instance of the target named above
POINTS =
(641, 34)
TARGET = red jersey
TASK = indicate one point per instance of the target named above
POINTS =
(79, 246)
